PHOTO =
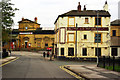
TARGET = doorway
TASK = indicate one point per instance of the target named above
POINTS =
(70, 51)
(26, 44)
(62, 51)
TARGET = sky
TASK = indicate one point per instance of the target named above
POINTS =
(48, 10)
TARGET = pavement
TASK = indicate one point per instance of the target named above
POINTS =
(92, 72)
(7, 59)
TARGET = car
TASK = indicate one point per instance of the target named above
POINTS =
(49, 48)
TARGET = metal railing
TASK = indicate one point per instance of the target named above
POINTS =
(112, 63)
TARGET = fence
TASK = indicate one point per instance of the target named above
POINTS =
(111, 63)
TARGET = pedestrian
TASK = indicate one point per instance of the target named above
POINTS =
(51, 56)
(44, 54)
(48, 54)
(9, 52)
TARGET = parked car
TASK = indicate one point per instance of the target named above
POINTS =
(49, 48)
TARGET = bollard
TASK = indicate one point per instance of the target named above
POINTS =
(103, 61)
(119, 61)
(113, 63)
(109, 60)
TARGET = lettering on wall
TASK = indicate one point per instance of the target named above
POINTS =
(26, 33)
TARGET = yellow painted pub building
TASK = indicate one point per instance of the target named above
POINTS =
(31, 35)
(93, 27)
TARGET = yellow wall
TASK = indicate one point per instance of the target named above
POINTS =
(63, 22)
(36, 40)
(117, 28)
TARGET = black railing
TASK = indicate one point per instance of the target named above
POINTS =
(111, 63)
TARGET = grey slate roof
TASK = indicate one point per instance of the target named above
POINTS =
(115, 22)
(91, 13)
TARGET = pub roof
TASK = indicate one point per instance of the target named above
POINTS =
(91, 13)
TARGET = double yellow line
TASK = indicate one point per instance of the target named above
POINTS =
(71, 73)
(9, 62)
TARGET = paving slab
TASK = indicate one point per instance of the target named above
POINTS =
(92, 72)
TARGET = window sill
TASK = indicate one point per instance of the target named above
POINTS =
(86, 23)
(98, 43)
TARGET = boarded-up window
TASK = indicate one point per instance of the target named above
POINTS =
(57, 36)
(62, 35)
(71, 21)
(71, 37)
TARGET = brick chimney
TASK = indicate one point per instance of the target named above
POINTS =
(22, 18)
(35, 19)
(84, 8)
(79, 7)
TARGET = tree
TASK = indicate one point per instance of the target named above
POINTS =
(7, 12)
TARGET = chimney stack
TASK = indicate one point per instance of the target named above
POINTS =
(79, 7)
(84, 8)
(22, 18)
(35, 19)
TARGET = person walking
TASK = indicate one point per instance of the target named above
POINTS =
(9, 52)
(51, 56)
(44, 54)
(48, 54)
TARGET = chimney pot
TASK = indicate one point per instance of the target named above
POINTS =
(84, 8)
(35, 19)
(22, 18)
(79, 7)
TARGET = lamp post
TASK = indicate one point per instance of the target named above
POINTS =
(97, 40)
(76, 43)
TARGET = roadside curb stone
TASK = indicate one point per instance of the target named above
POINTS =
(93, 72)
(5, 60)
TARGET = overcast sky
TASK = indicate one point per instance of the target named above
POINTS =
(47, 10)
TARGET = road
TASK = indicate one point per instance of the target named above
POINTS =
(32, 65)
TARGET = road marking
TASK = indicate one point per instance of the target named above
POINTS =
(9, 62)
(71, 73)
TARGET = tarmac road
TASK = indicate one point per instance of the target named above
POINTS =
(32, 66)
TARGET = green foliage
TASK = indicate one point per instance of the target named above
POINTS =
(7, 13)
(5, 35)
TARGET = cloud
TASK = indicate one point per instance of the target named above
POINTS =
(48, 10)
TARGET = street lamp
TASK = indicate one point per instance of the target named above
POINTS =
(97, 40)
(76, 43)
